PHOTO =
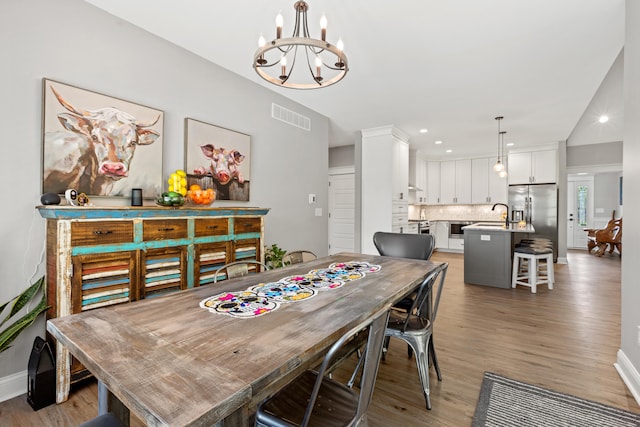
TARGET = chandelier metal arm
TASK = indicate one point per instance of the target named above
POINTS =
(286, 44)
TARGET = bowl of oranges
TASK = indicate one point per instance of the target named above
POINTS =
(198, 196)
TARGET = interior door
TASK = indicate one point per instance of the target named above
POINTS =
(580, 211)
(341, 213)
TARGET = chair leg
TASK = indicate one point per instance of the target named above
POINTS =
(533, 279)
(352, 380)
(385, 347)
(434, 359)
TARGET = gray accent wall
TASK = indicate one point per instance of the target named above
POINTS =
(605, 153)
(342, 156)
(76, 43)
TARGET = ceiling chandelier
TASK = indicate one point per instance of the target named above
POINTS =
(323, 63)
(499, 165)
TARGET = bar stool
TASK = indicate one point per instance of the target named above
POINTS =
(533, 253)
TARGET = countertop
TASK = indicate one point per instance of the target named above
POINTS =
(492, 226)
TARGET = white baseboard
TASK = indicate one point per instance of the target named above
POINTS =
(562, 260)
(13, 385)
(629, 374)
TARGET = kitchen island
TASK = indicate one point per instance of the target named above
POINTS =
(488, 252)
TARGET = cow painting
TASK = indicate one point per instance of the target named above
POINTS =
(93, 149)
(218, 158)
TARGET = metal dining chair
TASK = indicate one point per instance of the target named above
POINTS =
(414, 246)
(239, 269)
(104, 420)
(314, 399)
(296, 257)
(415, 326)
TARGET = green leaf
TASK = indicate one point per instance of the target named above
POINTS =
(8, 335)
(23, 299)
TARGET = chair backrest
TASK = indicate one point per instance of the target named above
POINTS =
(296, 257)
(239, 269)
(416, 246)
(376, 325)
(425, 307)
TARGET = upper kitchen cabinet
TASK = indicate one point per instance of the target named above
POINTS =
(417, 178)
(534, 167)
(486, 184)
(433, 183)
(385, 183)
(455, 182)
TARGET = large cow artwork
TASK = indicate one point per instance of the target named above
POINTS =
(93, 150)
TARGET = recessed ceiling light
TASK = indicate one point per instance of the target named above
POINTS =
(603, 119)
(438, 142)
(510, 144)
(449, 151)
(424, 130)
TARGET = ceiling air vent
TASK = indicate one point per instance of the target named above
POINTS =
(278, 112)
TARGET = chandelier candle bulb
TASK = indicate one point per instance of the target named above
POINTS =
(323, 28)
(279, 23)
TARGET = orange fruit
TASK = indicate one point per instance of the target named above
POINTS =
(195, 187)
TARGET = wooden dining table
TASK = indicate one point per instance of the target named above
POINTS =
(172, 362)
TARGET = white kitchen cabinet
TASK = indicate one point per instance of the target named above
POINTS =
(486, 184)
(441, 234)
(534, 167)
(385, 182)
(455, 181)
(412, 228)
(433, 183)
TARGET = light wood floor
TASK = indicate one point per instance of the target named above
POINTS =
(565, 339)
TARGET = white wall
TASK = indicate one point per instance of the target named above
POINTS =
(607, 99)
(629, 354)
(75, 43)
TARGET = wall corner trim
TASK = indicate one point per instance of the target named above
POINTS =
(629, 374)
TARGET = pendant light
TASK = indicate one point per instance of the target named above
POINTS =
(503, 172)
(499, 167)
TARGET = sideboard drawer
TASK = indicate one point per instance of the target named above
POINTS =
(247, 225)
(101, 232)
(164, 229)
(211, 227)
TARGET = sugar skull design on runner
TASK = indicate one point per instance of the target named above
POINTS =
(338, 274)
(313, 281)
(245, 304)
(283, 292)
(359, 266)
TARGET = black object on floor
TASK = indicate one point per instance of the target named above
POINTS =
(41, 388)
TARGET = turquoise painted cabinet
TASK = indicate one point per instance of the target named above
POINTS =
(103, 256)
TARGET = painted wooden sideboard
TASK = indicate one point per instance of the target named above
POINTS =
(100, 256)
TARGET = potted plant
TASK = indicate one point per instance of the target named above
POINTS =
(9, 333)
(273, 256)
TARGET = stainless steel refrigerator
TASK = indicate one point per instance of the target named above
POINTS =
(538, 205)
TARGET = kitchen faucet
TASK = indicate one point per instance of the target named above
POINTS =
(506, 219)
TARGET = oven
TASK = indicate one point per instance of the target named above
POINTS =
(455, 229)
(423, 227)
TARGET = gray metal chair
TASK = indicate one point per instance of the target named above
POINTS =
(239, 269)
(414, 246)
(104, 420)
(415, 326)
(296, 257)
(313, 399)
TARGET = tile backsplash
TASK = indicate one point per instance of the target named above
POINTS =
(456, 212)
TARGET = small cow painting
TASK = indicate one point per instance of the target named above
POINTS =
(89, 142)
(218, 157)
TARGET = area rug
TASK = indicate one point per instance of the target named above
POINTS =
(505, 402)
